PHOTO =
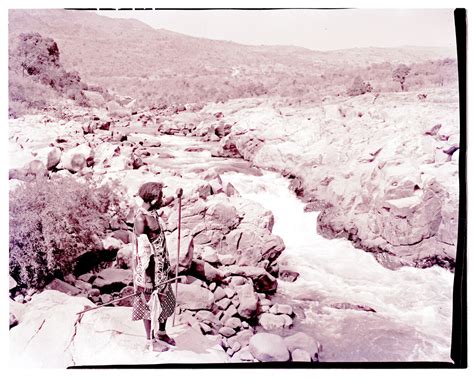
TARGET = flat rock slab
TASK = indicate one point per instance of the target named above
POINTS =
(111, 280)
(62, 286)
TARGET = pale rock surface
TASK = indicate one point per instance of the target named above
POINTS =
(50, 336)
(113, 279)
(304, 342)
(195, 297)
(268, 347)
(271, 322)
(248, 301)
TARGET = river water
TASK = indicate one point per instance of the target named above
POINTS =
(413, 306)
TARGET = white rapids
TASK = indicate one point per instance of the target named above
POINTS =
(413, 306)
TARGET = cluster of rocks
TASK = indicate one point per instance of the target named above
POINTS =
(387, 181)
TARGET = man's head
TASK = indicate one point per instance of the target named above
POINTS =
(151, 193)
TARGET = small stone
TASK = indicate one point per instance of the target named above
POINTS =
(27, 298)
(265, 302)
(281, 309)
(224, 343)
(227, 331)
(204, 315)
(12, 283)
(229, 292)
(223, 303)
(300, 355)
(233, 322)
(230, 352)
(231, 311)
(94, 292)
(236, 346)
(265, 308)
(13, 320)
(219, 293)
(205, 328)
(212, 286)
(227, 259)
(245, 324)
(237, 281)
(288, 321)
(245, 355)
(105, 298)
(219, 315)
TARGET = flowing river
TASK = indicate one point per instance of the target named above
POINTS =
(413, 307)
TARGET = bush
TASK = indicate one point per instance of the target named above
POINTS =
(51, 223)
(359, 87)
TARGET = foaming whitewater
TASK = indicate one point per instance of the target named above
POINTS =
(413, 306)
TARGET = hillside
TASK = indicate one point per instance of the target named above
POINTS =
(132, 58)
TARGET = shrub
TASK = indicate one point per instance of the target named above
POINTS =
(52, 222)
(359, 87)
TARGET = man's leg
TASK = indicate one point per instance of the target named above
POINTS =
(147, 324)
(162, 333)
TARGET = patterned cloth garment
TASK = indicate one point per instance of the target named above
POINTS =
(162, 272)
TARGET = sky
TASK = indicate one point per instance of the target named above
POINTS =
(310, 28)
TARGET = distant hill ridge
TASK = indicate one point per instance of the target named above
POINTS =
(129, 56)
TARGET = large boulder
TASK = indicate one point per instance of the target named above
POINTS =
(51, 335)
(95, 98)
(303, 342)
(117, 111)
(75, 159)
(49, 156)
(113, 280)
(206, 271)
(253, 244)
(194, 297)
(186, 254)
(267, 347)
(222, 216)
(248, 301)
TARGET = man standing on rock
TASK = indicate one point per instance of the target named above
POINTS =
(151, 266)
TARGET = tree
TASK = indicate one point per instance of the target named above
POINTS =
(400, 74)
(36, 53)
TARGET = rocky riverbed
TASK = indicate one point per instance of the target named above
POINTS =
(347, 159)
(228, 252)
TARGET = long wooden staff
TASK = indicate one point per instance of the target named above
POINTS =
(177, 260)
